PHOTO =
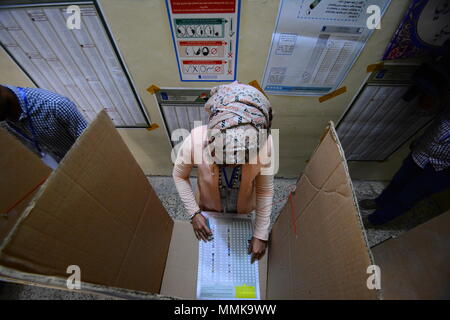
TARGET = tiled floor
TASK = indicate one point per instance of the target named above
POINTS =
(166, 191)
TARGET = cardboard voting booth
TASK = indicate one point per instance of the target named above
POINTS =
(98, 211)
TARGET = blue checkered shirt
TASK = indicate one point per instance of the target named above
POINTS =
(56, 121)
(434, 146)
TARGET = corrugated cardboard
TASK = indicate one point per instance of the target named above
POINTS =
(21, 171)
(416, 265)
(98, 211)
(325, 254)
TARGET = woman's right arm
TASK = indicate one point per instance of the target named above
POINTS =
(181, 171)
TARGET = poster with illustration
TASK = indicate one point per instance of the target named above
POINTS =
(205, 36)
(424, 30)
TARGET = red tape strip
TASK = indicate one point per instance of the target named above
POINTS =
(25, 196)
(294, 224)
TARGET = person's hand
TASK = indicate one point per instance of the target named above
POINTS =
(257, 248)
(201, 230)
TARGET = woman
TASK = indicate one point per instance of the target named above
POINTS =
(229, 151)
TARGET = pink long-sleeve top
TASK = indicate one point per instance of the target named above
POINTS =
(256, 188)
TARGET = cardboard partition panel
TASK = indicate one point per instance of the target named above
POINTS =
(97, 210)
(416, 265)
(21, 174)
(318, 248)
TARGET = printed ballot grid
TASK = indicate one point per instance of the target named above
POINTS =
(224, 263)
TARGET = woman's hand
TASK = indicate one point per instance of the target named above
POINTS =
(257, 248)
(201, 230)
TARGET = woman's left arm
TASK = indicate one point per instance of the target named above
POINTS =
(264, 199)
(264, 192)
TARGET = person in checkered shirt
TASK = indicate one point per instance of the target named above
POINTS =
(426, 170)
(44, 121)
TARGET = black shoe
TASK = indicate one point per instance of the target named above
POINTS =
(375, 219)
(368, 204)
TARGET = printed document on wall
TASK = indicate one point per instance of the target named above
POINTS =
(316, 42)
(205, 36)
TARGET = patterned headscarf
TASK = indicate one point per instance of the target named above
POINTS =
(233, 109)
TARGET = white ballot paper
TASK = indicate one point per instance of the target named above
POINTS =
(225, 271)
(315, 43)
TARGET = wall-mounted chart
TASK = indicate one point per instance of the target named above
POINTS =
(315, 43)
(83, 64)
(205, 36)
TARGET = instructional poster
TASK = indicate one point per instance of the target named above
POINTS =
(315, 43)
(205, 36)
